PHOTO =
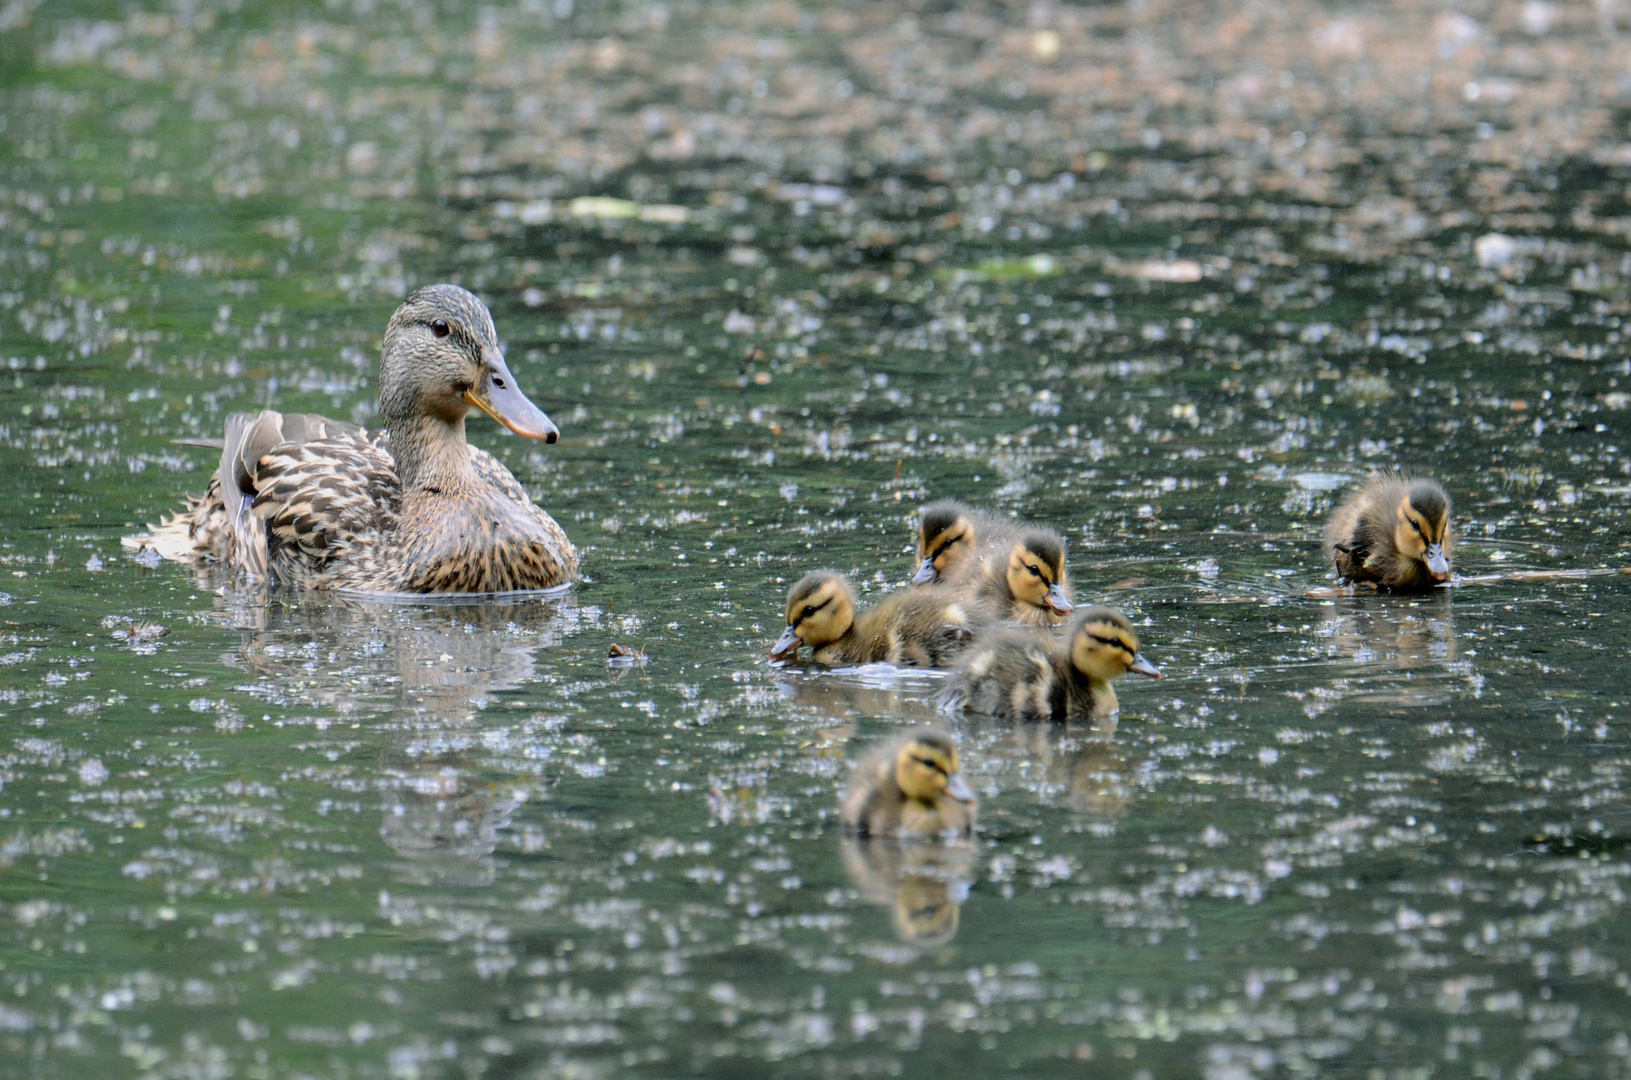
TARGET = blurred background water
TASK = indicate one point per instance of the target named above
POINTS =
(1168, 276)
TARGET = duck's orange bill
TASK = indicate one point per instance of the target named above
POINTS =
(497, 395)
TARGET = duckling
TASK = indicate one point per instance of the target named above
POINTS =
(1025, 673)
(909, 627)
(1394, 532)
(949, 536)
(1029, 585)
(909, 788)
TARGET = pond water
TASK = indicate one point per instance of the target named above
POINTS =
(1166, 277)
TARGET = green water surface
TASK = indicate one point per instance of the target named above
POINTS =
(1166, 277)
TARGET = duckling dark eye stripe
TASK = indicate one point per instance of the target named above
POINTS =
(811, 610)
(930, 764)
(1117, 642)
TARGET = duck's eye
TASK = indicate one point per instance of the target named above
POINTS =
(807, 612)
(928, 764)
(1034, 569)
(1414, 524)
(498, 382)
(440, 328)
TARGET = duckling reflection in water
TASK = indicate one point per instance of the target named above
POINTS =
(1393, 533)
(1076, 766)
(1029, 674)
(1399, 635)
(922, 885)
(909, 788)
(908, 627)
(950, 537)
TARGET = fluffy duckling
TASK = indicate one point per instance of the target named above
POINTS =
(1029, 585)
(909, 788)
(1394, 532)
(908, 628)
(950, 534)
(1028, 674)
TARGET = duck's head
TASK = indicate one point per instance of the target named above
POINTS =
(1036, 571)
(927, 909)
(926, 768)
(820, 610)
(441, 357)
(1421, 528)
(1103, 646)
(945, 540)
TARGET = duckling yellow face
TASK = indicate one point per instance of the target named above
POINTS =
(820, 610)
(1036, 572)
(927, 909)
(1104, 648)
(926, 769)
(945, 541)
(1421, 528)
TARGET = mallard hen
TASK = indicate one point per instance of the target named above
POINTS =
(308, 501)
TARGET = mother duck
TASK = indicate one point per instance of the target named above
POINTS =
(305, 500)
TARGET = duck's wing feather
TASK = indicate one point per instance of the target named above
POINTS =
(247, 441)
(317, 498)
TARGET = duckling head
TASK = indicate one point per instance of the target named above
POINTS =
(1103, 646)
(820, 610)
(440, 358)
(945, 540)
(1036, 571)
(1421, 528)
(927, 909)
(926, 768)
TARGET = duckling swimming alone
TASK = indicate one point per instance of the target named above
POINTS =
(321, 503)
(909, 788)
(1394, 532)
(909, 627)
(950, 534)
(1029, 585)
(1029, 674)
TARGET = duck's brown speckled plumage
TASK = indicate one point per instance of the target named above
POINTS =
(321, 503)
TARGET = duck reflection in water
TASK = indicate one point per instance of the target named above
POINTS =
(877, 690)
(922, 885)
(424, 670)
(1079, 766)
(1385, 647)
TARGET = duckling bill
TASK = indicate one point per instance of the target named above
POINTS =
(305, 500)
(909, 789)
(1394, 533)
(908, 627)
(1029, 674)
